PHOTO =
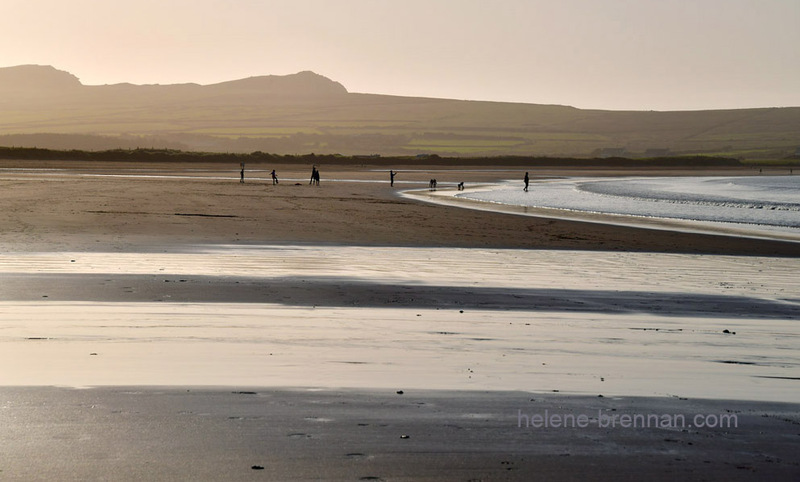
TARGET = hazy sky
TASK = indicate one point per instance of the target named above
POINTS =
(611, 54)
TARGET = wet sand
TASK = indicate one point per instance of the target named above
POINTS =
(272, 326)
(426, 318)
(244, 433)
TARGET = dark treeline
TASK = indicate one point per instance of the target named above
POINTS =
(125, 155)
(170, 155)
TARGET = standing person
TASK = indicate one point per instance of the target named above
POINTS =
(241, 175)
(315, 176)
(391, 177)
(274, 177)
(527, 180)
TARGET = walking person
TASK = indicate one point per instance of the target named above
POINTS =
(241, 175)
(315, 177)
(274, 177)
(527, 180)
(391, 177)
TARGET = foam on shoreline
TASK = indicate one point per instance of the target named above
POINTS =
(621, 201)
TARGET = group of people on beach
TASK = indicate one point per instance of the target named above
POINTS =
(432, 183)
(274, 175)
(315, 179)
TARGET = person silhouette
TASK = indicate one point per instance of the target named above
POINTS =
(315, 177)
(241, 174)
(274, 177)
(527, 180)
(391, 177)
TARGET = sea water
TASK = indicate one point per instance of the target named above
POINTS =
(768, 201)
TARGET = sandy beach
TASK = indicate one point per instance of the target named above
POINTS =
(121, 207)
(167, 322)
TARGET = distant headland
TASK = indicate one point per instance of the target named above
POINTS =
(306, 112)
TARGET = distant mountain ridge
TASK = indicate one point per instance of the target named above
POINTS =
(45, 79)
(36, 78)
(301, 83)
(41, 106)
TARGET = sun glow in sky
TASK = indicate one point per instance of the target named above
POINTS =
(608, 54)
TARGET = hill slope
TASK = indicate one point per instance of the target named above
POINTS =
(307, 112)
